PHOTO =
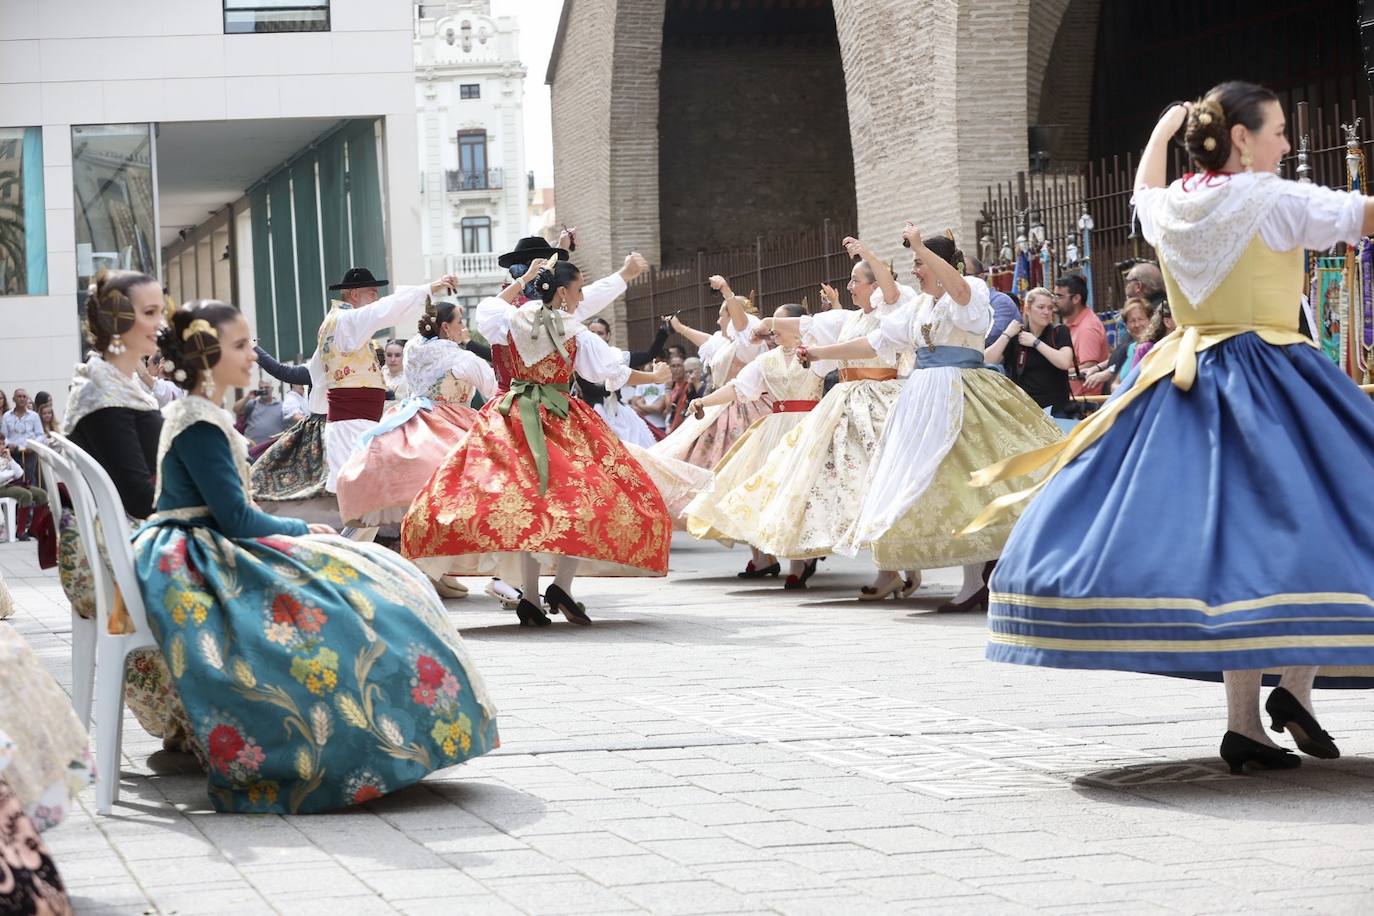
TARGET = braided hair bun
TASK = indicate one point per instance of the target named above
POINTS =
(1207, 132)
(434, 317)
(190, 340)
(110, 308)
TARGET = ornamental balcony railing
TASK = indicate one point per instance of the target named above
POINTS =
(474, 264)
(479, 180)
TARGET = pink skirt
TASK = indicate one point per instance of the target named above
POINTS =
(378, 483)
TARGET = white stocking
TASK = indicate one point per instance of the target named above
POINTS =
(973, 581)
(529, 572)
(567, 568)
(1242, 705)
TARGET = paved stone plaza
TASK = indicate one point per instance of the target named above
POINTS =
(714, 746)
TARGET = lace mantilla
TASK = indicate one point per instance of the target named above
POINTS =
(96, 385)
(179, 416)
(1205, 227)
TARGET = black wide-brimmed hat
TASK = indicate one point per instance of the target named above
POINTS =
(529, 249)
(358, 278)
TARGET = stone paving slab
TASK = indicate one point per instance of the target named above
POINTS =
(717, 746)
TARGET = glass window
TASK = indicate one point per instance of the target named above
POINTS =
(23, 217)
(470, 91)
(113, 182)
(472, 159)
(476, 234)
(244, 16)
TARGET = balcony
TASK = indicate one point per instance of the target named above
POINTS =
(475, 266)
(457, 180)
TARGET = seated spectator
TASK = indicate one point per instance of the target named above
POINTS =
(1089, 336)
(1136, 315)
(12, 486)
(1037, 356)
(1161, 326)
(696, 376)
(262, 415)
(17, 427)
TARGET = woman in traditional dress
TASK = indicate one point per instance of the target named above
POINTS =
(807, 496)
(678, 482)
(114, 418)
(794, 390)
(393, 371)
(952, 418)
(50, 761)
(292, 651)
(540, 479)
(397, 456)
(704, 440)
(1252, 565)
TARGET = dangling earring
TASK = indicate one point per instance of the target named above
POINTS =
(207, 380)
(1246, 160)
(117, 345)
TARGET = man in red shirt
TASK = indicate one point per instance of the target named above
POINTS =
(1085, 328)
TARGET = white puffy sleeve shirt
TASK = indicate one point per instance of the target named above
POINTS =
(354, 326)
(599, 362)
(898, 334)
(1303, 215)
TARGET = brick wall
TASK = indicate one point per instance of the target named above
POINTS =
(754, 140)
(1067, 92)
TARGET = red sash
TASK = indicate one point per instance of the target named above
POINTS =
(793, 406)
(356, 404)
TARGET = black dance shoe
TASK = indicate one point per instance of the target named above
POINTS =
(531, 614)
(758, 572)
(809, 569)
(978, 602)
(1238, 750)
(1287, 712)
(559, 600)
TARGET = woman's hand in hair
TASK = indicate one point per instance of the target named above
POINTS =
(1172, 120)
(533, 270)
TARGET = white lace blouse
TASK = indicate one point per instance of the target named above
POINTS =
(950, 324)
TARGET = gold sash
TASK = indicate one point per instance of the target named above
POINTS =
(1175, 355)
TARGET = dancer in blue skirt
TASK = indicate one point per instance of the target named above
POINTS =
(1256, 558)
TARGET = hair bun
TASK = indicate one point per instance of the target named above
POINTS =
(1207, 135)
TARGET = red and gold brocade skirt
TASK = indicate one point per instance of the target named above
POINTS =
(483, 505)
(378, 483)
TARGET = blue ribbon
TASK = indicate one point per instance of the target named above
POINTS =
(403, 412)
(948, 357)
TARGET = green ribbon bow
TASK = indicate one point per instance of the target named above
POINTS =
(550, 321)
(553, 397)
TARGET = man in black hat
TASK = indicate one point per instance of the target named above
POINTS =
(353, 380)
(595, 296)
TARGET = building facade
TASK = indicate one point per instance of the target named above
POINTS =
(680, 126)
(246, 151)
(469, 101)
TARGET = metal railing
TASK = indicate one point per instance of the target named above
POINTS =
(473, 264)
(481, 180)
(779, 269)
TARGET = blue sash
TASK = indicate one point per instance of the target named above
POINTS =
(948, 357)
(404, 411)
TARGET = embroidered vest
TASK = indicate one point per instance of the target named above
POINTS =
(356, 369)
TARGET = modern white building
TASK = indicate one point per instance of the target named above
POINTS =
(469, 101)
(246, 150)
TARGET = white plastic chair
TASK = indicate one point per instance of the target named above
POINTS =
(10, 507)
(58, 470)
(111, 650)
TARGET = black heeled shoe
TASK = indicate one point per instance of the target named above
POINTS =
(758, 572)
(978, 601)
(1286, 712)
(798, 583)
(531, 614)
(560, 600)
(1238, 750)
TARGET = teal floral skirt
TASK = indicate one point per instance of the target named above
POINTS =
(316, 672)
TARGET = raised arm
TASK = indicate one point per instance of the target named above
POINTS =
(697, 338)
(1154, 162)
(353, 327)
(881, 272)
(945, 273)
(292, 375)
(995, 351)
